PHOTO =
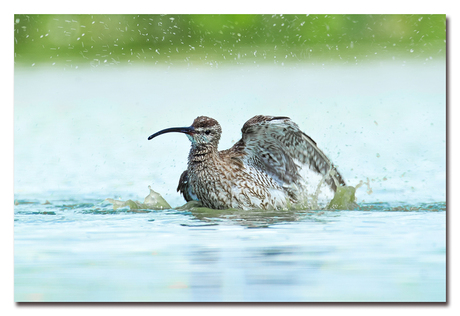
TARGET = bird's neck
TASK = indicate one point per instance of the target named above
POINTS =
(202, 153)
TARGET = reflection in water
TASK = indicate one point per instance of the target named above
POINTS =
(379, 252)
(255, 218)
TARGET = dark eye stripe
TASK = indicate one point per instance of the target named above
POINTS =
(208, 132)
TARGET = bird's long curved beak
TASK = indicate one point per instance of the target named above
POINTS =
(187, 130)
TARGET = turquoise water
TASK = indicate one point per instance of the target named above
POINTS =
(85, 251)
(80, 137)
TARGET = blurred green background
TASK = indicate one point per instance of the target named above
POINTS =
(215, 39)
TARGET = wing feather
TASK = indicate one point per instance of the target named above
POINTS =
(283, 149)
(185, 188)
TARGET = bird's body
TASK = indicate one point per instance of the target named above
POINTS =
(267, 169)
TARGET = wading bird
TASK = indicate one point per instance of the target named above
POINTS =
(269, 168)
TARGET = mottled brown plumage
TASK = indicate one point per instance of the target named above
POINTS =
(269, 168)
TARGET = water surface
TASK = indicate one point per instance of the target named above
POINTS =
(80, 137)
(85, 251)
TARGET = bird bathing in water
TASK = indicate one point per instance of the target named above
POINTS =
(273, 166)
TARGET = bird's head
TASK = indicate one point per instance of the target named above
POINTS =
(203, 131)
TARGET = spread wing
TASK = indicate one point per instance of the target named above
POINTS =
(283, 149)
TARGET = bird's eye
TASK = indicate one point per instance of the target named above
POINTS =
(207, 132)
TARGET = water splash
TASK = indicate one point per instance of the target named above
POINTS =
(153, 201)
(344, 199)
